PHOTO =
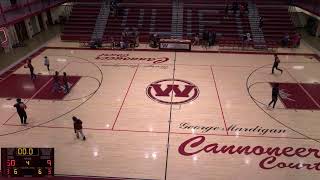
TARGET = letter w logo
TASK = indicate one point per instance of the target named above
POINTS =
(174, 88)
(165, 45)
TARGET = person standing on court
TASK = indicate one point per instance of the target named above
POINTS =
(65, 83)
(31, 68)
(276, 64)
(56, 83)
(47, 63)
(275, 95)
(21, 110)
(77, 124)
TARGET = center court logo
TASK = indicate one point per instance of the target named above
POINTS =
(182, 91)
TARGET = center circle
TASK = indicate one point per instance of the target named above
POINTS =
(182, 90)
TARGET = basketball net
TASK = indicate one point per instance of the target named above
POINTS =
(4, 38)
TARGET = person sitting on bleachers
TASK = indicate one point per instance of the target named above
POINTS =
(154, 40)
(113, 42)
(205, 38)
(285, 40)
(260, 22)
(211, 38)
(246, 39)
(196, 40)
(124, 35)
(123, 45)
(136, 37)
(115, 8)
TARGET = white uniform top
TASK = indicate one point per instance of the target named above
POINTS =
(46, 61)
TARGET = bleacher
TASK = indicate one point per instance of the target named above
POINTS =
(277, 21)
(153, 16)
(81, 22)
(139, 14)
(208, 15)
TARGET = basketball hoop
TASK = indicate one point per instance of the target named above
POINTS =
(3, 37)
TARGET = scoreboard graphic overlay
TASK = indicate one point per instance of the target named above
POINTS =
(27, 162)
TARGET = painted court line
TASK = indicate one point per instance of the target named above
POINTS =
(125, 97)
(193, 51)
(163, 132)
(215, 85)
(111, 62)
(35, 94)
(6, 77)
(108, 63)
(314, 101)
(101, 177)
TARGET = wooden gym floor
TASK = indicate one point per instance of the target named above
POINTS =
(169, 115)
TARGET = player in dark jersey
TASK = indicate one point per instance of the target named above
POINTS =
(275, 95)
(65, 83)
(20, 106)
(56, 82)
(31, 68)
(77, 125)
(276, 64)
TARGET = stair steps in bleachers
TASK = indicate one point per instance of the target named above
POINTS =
(256, 32)
(101, 21)
(177, 20)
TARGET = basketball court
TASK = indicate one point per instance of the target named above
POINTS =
(169, 115)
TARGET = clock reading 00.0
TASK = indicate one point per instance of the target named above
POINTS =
(27, 162)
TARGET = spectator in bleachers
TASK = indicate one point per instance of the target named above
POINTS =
(235, 7)
(260, 22)
(205, 38)
(115, 8)
(196, 40)
(136, 37)
(113, 42)
(154, 40)
(285, 40)
(246, 39)
(123, 45)
(124, 35)
(296, 40)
